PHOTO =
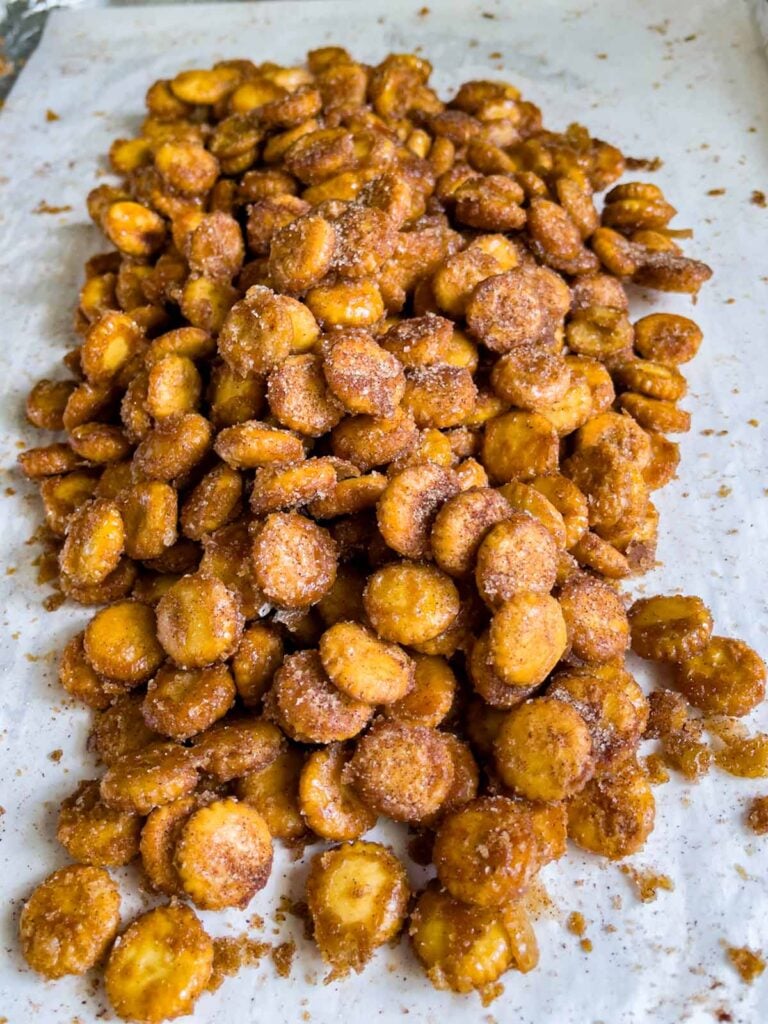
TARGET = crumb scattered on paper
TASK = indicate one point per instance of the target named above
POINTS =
(576, 923)
(643, 163)
(230, 954)
(647, 883)
(757, 815)
(282, 958)
(44, 207)
(750, 965)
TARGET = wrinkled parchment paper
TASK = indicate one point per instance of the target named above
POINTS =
(686, 82)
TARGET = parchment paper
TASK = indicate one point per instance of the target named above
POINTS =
(686, 82)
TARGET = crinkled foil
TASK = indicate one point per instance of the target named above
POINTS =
(22, 24)
(20, 32)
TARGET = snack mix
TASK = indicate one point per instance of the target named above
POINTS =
(359, 441)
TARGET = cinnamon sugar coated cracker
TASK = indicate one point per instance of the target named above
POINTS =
(357, 443)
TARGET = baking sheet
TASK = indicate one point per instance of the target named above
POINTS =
(688, 85)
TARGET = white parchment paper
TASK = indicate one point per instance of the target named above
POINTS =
(686, 82)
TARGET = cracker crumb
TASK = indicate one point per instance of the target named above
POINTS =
(750, 965)
(647, 883)
(576, 923)
(283, 909)
(282, 957)
(642, 163)
(757, 815)
(44, 207)
(230, 954)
